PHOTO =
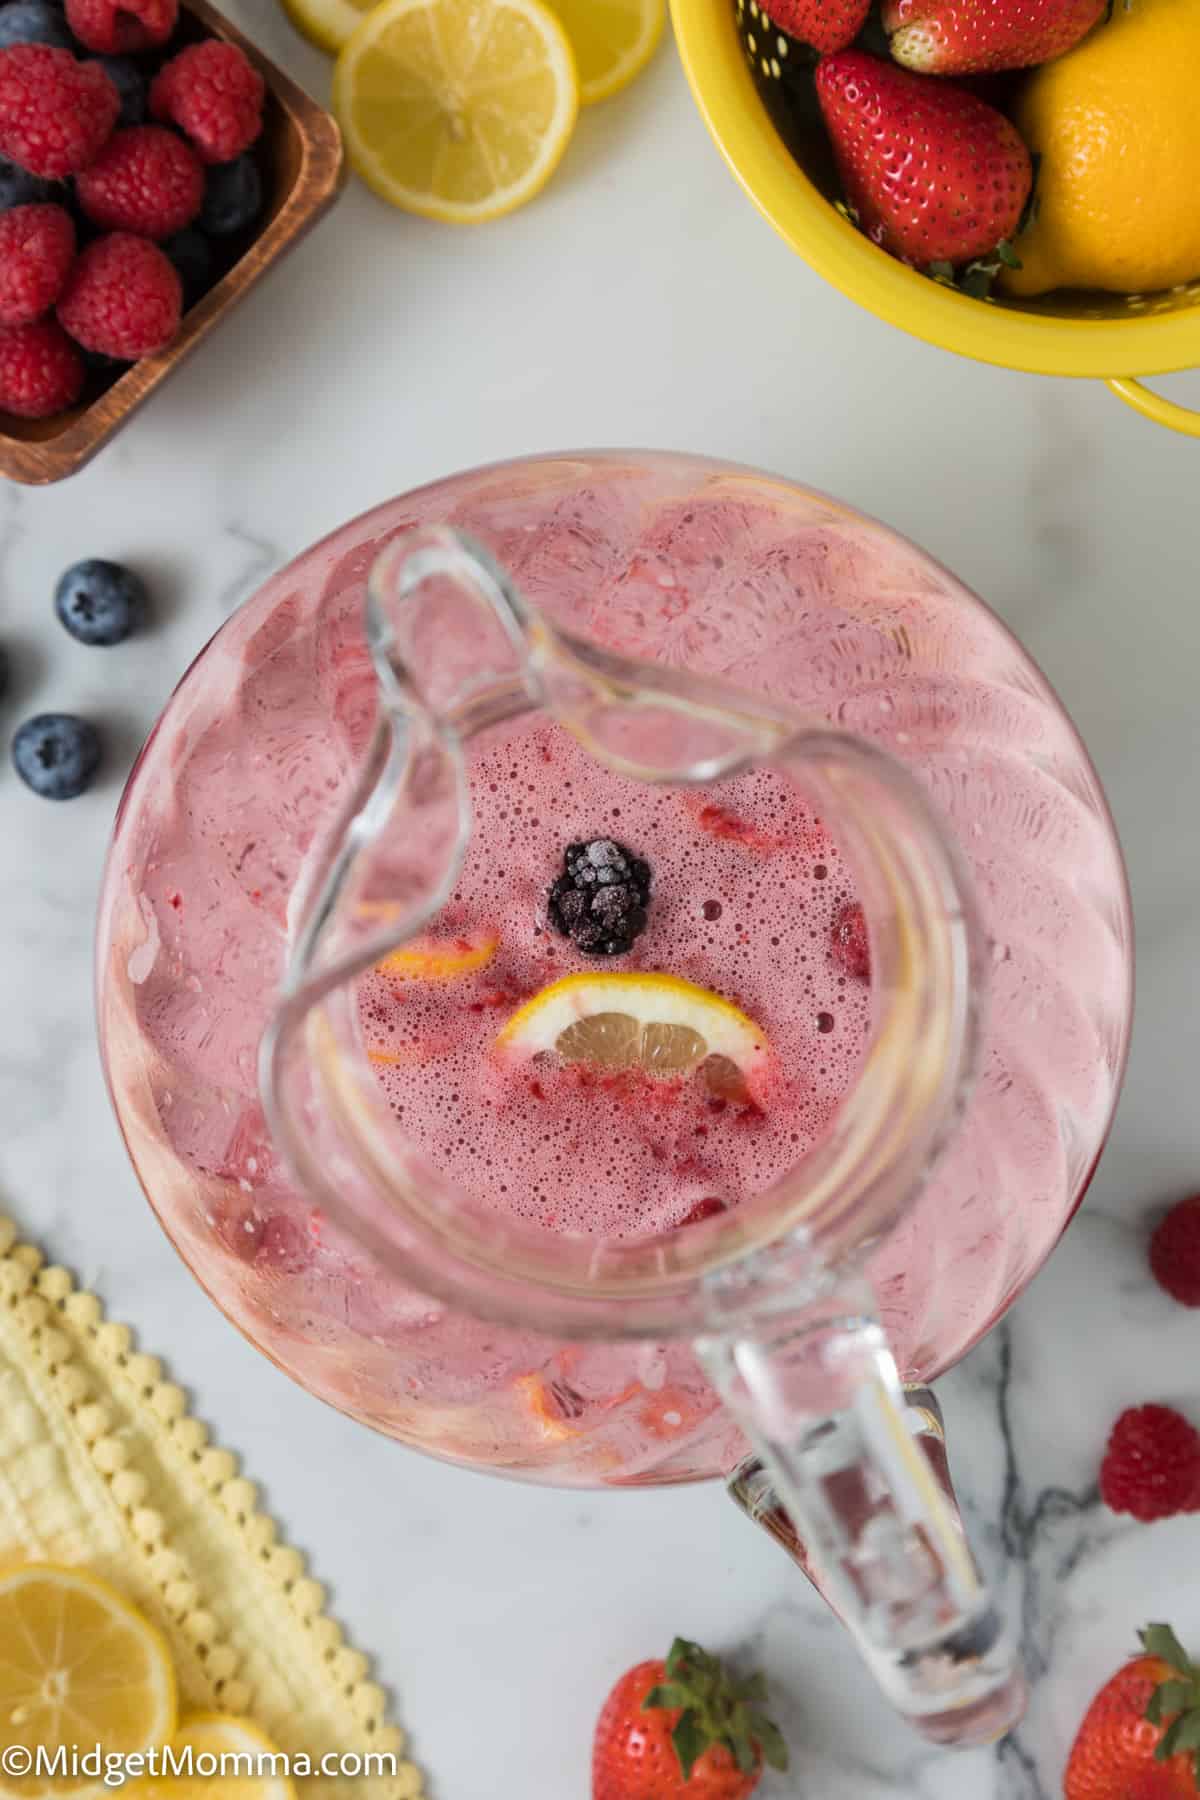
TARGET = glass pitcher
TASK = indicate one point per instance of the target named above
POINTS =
(875, 899)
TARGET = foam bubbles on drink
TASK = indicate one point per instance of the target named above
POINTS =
(746, 886)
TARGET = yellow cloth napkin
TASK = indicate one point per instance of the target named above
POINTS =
(102, 1464)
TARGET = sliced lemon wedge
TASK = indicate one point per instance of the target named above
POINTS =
(440, 959)
(220, 1735)
(613, 40)
(327, 23)
(78, 1666)
(660, 1024)
(457, 109)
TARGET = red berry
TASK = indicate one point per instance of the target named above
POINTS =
(55, 113)
(933, 173)
(123, 298)
(41, 371)
(145, 180)
(122, 27)
(961, 37)
(1151, 1467)
(37, 248)
(708, 1208)
(215, 95)
(1175, 1252)
(849, 944)
(827, 25)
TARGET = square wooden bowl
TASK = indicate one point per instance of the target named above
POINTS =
(300, 154)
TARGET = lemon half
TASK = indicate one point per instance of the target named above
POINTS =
(457, 109)
(220, 1735)
(78, 1666)
(660, 1024)
(613, 40)
(327, 23)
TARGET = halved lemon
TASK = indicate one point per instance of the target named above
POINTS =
(78, 1666)
(255, 1773)
(659, 1024)
(327, 23)
(613, 40)
(457, 109)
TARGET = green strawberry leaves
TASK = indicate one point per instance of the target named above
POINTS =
(716, 1708)
(1177, 1699)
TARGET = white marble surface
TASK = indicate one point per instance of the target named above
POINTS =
(640, 302)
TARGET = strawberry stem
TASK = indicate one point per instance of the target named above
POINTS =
(1176, 1700)
(716, 1708)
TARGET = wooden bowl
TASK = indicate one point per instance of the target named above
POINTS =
(300, 154)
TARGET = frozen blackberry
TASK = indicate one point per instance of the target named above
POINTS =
(600, 899)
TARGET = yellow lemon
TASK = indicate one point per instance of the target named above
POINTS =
(78, 1666)
(1117, 124)
(613, 40)
(457, 109)
(251, 1769)
(440, 959)
(659, 1024)
(327, 23)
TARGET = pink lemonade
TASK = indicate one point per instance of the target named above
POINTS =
(786, 595)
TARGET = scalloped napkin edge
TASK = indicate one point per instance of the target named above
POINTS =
(101, 1463)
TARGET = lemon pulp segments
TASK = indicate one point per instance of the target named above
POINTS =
(613, 40)
(457, 109)
(78, 1665)
(659, 1024)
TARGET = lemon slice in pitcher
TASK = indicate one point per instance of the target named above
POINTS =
(78, 1665)
(457, 109)
(613, 40)
(659, 1024)
(440, 959)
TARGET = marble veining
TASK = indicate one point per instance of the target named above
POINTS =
(641, 300)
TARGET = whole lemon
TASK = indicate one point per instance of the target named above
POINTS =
(1117, 124)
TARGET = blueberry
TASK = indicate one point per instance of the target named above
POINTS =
(18, 188)
(233, 197)
(192, 255)
(56, 755)
(131, 84)
(100, 602)
(34, 22)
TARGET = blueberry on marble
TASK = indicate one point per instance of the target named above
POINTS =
(233, 197)
(100, 602)
(34, 22)
(19, 188)
(57, 755)
(192, 255)
(132, 86)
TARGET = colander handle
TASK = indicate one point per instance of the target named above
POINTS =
(1155, 406)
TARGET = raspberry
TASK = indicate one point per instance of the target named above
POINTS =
(849, 944)
(123, 298)
(1175, 1252)
(41, 371)
(599, 902)
(213, 92)
(37, 248)
(1151, 1467)
(122, 27)
(55, 113)
(144, 180)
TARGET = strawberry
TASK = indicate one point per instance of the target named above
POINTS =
(1140, 1737)
(684, 1729)
(1175, 1252)
(1151, 1466)
(975, 37)
(827, 25)
(932, 174)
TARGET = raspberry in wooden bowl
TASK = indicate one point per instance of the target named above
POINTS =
(210, 131)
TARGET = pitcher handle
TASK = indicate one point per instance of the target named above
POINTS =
(865, 1510)
(1155, 407)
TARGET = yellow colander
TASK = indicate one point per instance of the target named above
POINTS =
(1115, 338)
